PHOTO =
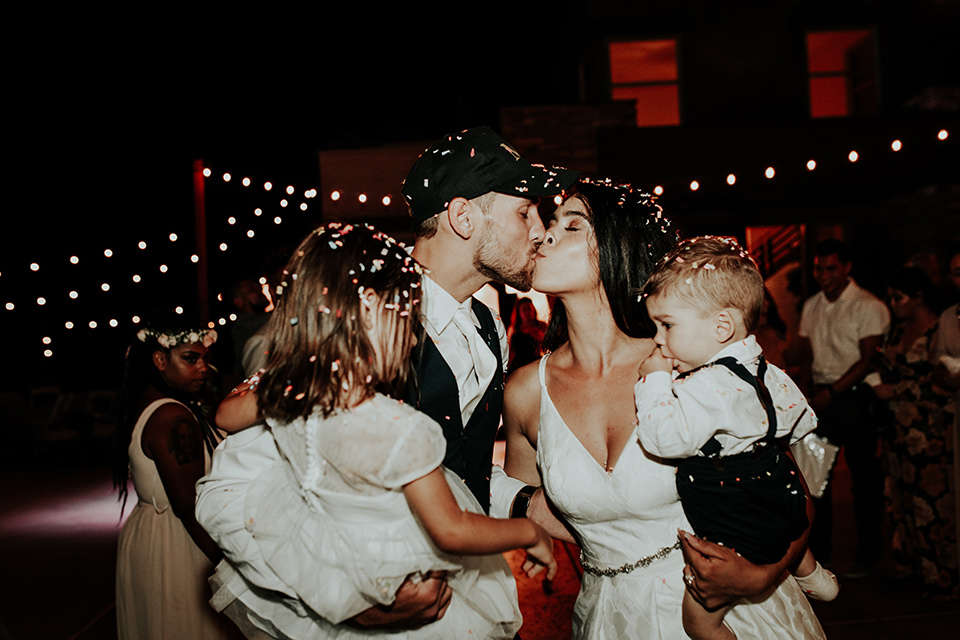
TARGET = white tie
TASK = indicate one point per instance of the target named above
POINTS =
(484, 362)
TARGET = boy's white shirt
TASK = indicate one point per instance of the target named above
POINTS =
(676, 417)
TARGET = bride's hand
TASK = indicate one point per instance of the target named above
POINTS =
(540, 556)
(719, 575)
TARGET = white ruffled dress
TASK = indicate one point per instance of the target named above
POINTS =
(331, 521)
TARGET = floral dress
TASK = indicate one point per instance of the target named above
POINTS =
(917, 445)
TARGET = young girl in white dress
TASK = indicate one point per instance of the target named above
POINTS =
(359, 501)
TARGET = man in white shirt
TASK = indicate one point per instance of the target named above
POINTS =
(841, 327)
(474, 200)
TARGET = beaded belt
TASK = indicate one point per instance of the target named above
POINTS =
(630, 566)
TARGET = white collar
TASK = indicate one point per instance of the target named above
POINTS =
(438, 306)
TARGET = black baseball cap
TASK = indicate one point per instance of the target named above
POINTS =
(471, 163)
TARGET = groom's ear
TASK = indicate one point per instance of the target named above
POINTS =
(460, 215)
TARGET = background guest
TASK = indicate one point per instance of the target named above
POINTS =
(917, 440)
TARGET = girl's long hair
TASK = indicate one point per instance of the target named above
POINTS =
(320, 357)
(632, 234)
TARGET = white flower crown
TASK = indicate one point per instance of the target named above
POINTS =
(170, 340)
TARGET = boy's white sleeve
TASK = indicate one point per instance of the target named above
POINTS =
(663, 426)
(503, 490)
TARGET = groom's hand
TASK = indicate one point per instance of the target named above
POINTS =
(416, 604)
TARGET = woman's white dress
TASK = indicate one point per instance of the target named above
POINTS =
(162, 589)
(630, 513)
(332, 523)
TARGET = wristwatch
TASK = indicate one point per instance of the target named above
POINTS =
(522, 502)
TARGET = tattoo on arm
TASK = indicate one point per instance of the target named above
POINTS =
(184, 443)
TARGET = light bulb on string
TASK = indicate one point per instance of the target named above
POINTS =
(74, 260)
(811, 165)
(47, 340)
(34, 266)
(73, 295)
(770, 173)
(222, 321)
(113, 322)
(694, 185)
(386, 201)
(658, 190)
(290, 190)
(335, 195)
(105, 286)
(10, 306)
(258, 212)
(92, 324)
(41, 301)
(267, 186)
(731, 179)
(896, 145)
(277, 220)
(303, 206)
(853, 156)
(47, 353)
(226, 177)
(283, 203)
(142, 244)
(136, 278)
(223, 246)
(108, 253)
(163, 268)
(68, 325)
(362, 198)
(173, 237)
(250, 233)
(207, 173)
(943, 134)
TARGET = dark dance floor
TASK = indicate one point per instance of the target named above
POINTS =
(58, 533)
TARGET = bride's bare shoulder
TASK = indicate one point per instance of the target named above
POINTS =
(523, 381)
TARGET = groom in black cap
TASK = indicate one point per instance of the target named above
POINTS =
(474, 203)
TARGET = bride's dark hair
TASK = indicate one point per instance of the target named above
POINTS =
(632, 234)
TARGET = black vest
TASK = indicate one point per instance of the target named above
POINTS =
(470, 448)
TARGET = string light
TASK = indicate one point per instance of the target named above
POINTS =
(231, 220)
(179, 311)
(770, 173)
(896, 145)
(47, 340)
(47, 353)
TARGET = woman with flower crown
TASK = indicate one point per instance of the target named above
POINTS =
(164, 443)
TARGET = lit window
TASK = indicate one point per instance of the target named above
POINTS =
(841, 66)
(646, 71)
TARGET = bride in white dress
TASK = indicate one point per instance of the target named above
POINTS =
(570, 423)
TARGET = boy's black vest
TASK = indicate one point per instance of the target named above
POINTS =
(470, 448)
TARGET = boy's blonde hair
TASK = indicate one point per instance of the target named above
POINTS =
(710, 273)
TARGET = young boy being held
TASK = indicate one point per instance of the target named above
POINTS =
(723, 414)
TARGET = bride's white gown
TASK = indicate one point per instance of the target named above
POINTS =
(630, 513)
